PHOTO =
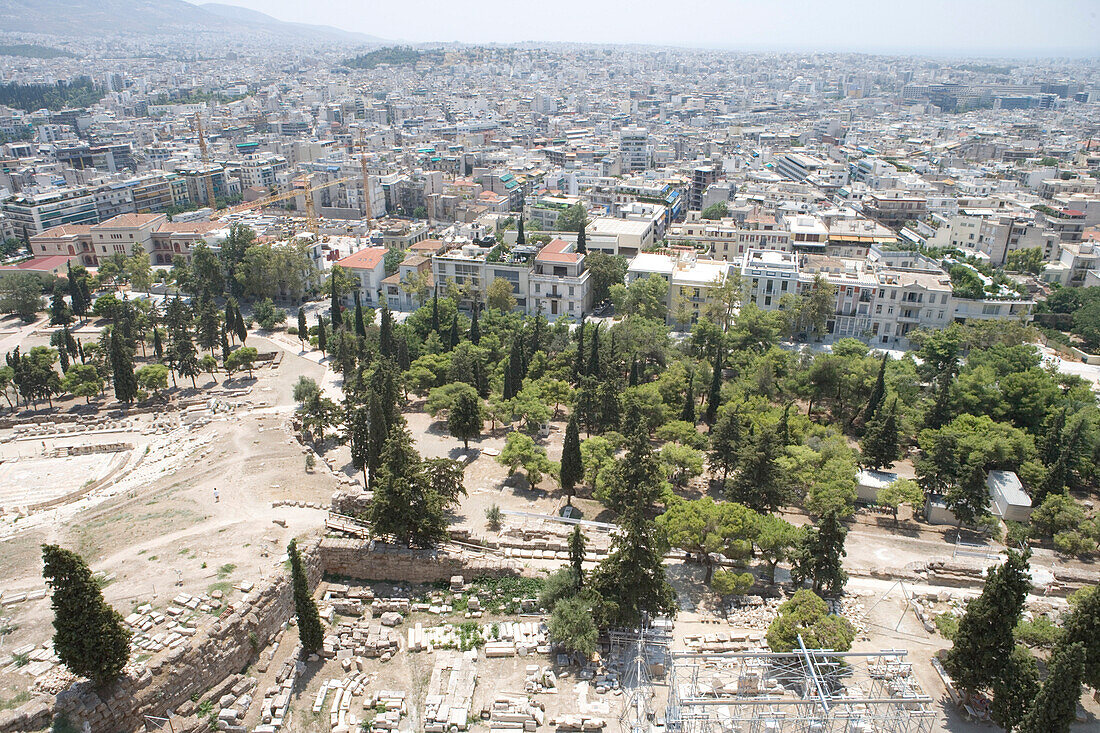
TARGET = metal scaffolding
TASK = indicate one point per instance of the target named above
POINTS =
(634, 654)
(801, 691)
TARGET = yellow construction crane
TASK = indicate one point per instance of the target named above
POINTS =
(205, 161)
(275, 198)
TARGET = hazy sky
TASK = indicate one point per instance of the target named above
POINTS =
(978, 27)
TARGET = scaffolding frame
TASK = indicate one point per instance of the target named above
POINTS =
(633, 653)
(801, 691)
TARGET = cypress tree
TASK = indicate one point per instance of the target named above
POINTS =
(576, 554)
(231, 316)
(310, 632)
(633, 380)
(1083, 625)
(225, 343)
(360, 326)
(385, 333)
(513, 374)
(322, 335)
(877, 393)
(582, 240)
(122, 370)
(403, 360)
(378, 432)
(90, 639)
(453, 338)
(687, 414)
(594, 355)
(358, 427)
(578, 364)
(475, 327)
(572, 467)
(334, 304)
(303, 327)
(76, 294)
(1055, 707)
(435, 312)
(984, 640)
(63, 356)
(714, 396)
(783, 432)
(242, 332)
(521, 237)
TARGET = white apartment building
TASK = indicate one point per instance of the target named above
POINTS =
(691, 281)
(367, 268)
(634, 148)
(559, 282)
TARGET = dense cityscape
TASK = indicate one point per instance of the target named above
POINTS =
(358, 384)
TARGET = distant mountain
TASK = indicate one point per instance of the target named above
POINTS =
(246, 15)
(83, 18)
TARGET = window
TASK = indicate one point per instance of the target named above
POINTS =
(570, 293)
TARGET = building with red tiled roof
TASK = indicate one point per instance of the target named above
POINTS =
(559, 282)
(47, 267)
(367, 267)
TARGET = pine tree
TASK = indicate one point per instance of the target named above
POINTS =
(582, 240)
(877, 393)
(725, 443)
(334, 304)
(60, 313)
(303, 327)
(209, 327)
(322, 335)
(572, 467)
(453, 338)
(687, 414)
(630, 583)
(984, 641)
(759, 483)
(360, 325)
(91, 638)
(576, 554)
(475, 327)
(1055, 707)
(879, 447)
(1083, 626)
(819, 557)
(714, 396)
(122, 370)
(310, 632)
(385, 333)
(939, 414)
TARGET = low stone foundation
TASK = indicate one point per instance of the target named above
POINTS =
(366, 560)
(222, 649)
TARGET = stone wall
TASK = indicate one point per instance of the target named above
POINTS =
(216, 652)
(366, 560)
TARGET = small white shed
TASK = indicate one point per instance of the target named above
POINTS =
(868, 483)
(1007, 498)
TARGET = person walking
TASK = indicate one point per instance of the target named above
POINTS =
(215, 494)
